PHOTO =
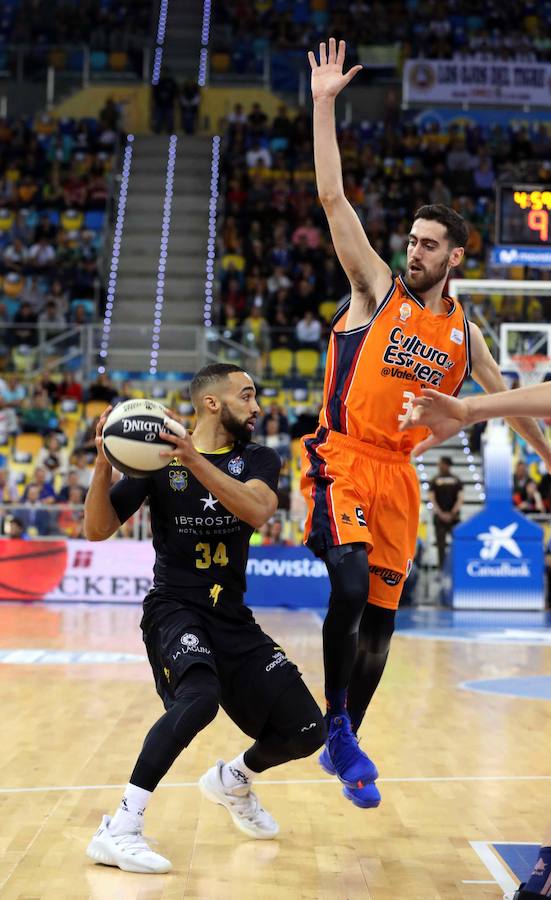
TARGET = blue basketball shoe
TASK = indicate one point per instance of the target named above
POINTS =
(366, 797)
(342, 756)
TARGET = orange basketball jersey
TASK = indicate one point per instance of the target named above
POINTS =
(374, 372)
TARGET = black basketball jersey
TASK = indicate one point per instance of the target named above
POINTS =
(197, 541)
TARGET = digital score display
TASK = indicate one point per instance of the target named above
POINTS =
(524, 215)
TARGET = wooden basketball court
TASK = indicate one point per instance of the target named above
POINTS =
(459, 772)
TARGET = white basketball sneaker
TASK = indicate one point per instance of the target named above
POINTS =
(130, 852)
(241, 803)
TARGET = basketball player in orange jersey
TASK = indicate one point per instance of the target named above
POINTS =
(394, 336)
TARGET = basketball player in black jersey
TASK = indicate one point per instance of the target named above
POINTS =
(203, 643)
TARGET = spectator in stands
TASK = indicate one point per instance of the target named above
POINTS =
(258, 156)
(278, 280)
(521, 480)
(38, 415)
(446, 496)
(53, 456)
(308, 332)
(102, 389)
(189, 99)
(85, 442)
(237, 116)
(255, 331)
(273, 535)
(73, 480)
(45, 382)
(15, 257)
(8, 423)
(277, 440)
(14, 528)
(46, 493)
(11, 390)
(80, 463)
(533, 502)
(164, 95)
(33, 517)
(24, 332)
(51, 322)
(8, 488)
(70, 387)
(33, 294)
(257, 120)
(275, 414)
(70, 520)
(42, 256)
(110, 115)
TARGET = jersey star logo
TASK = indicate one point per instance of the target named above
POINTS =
(215, 592)
(209, 502)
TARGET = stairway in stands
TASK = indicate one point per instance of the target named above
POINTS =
(133, 313)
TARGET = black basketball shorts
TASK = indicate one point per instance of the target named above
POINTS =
(252, 669)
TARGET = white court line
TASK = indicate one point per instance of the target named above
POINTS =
(189, 784)
(493, 864)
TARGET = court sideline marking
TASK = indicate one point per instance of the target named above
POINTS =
(494, 865)
(187, 784)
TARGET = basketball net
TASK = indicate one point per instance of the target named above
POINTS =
(531, 369)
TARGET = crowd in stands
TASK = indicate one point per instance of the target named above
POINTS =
(47, 449)
(54, 187)
(279, 279)
(167, 96)
(442, 29)
(107, 24)
(531, 489)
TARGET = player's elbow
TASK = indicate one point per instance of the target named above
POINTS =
(91, 534)
(94, 533)
(330, 198)
(258, 519)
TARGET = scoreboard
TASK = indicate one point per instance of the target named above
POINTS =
(523, 215)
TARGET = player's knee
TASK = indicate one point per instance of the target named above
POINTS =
(308, 738)
(197, 702)
(376, 629)
(348, 569)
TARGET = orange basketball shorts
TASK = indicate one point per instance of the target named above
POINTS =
(358, 492)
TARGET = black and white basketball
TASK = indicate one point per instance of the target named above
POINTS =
(131, 437)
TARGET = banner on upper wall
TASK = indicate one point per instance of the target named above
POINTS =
(121, 571)
(477, 81)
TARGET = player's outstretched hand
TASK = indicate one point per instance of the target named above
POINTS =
(328, 79)
(101, 457)
(444, 416)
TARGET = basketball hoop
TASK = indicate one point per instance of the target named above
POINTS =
(531, 369)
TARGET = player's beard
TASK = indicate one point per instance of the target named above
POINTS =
(233, 426)
(427, 280)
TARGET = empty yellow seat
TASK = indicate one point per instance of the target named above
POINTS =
(281, 361)
(94, 408)
(327, 310)
(307, 362)
(28, 443)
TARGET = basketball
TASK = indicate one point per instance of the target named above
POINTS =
(131, 437)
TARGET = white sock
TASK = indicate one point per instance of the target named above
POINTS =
(236, 773)
(129, 816)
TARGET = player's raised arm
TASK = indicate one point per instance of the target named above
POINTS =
(370, 277)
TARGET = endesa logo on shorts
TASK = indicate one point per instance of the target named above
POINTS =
(389, 576)
(409, 358)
